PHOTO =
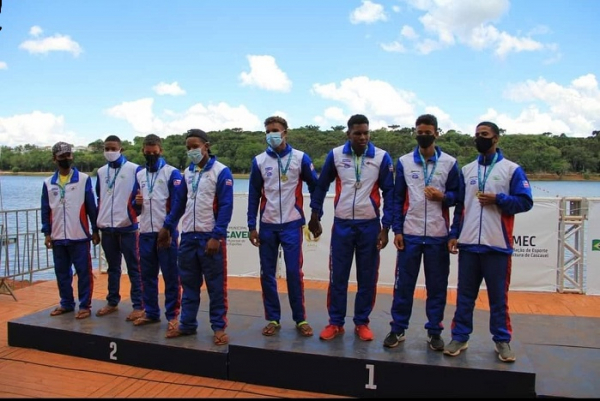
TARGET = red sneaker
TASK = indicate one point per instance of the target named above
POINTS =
(364, 332)
(331, 331)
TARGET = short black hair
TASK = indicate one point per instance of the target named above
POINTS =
(113, 138)
(151, 140)
(357, 119)
(493, 126)
(198, 133)
(277, 119)
(427, 119)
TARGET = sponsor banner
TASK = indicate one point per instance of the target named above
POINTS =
(242, 256)
(592, 247)
(534, 263)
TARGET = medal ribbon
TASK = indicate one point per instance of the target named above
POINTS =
(197, 180)
(151, 182)
(426, 177)
(358, 167)
(111, 183)
(487, 172)
(287, 166)
(63, 187)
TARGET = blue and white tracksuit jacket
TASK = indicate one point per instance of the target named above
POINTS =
(68, 224)
(204, 214)
(118, 223)
(281, 223)
(157, 185)
(424, 225)
(485, 241)
(356, 225)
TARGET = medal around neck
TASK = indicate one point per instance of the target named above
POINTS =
(284, 178)
(357, 184)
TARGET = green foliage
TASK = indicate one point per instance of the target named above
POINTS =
(542, 153)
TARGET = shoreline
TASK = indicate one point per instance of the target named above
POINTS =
(532, 177)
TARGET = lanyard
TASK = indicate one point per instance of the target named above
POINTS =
(358, 168)
(487, 172)
(426, 177)
(287, 165)
(197, 180)
(153, 180)
(62, 187)
(111, 183)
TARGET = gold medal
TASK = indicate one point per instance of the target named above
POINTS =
(478, 194)
(284, 178)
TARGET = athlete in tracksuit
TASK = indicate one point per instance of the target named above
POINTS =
(118, 223)
(421, 225)
(204, 203)
(68, 210)
(275, 187)
(157, 183)
(362, 174)
(492, 190)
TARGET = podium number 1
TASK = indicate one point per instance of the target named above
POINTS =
(370, 385)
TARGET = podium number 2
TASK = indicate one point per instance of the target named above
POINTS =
(113, 350)
(370, 385)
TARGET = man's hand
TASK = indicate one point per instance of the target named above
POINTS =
(95, 238)
(382, 238)
(254, 240)
(212, 247)
(314, 225)
(433, 194)
(139, 198)
(48, 241)
(399, 242)
(486, 198)
(453, 246)
(164, 238)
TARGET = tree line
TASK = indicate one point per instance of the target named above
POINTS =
(544, 153)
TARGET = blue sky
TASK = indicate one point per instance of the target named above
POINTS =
(81, 70)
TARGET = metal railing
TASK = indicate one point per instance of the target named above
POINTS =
(23, 254)
(571, 238)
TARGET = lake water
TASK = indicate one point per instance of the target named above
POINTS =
(24, 192)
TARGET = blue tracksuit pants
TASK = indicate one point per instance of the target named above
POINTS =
(154, 260)
(194, 268)
(350, 238)
(436, 264)
(75, 254)
(290, 240)
(115, 246)
(495, 269)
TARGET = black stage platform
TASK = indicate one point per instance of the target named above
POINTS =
(556, 356)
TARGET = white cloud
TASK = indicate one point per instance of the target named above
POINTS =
(395, 47)
(378, 100)
(57, 42)
(265, 74)
(530, 121)
(36, 128)
(3, 65)
(572, 109)
(140, 115)
(409, 32)
(172, 89)
(396, 9)
(368, 13)
(444, 120)
(471, 23)
(35, 31)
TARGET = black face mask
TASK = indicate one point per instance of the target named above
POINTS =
(151, 160)
(425, 141)
(65, 163)
(483, 144)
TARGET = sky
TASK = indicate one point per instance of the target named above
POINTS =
(78, 71)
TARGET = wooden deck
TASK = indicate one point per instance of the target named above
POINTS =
(28, 373)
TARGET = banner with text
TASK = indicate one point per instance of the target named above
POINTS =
(592, 247)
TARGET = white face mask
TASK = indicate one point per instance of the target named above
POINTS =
(112, 156)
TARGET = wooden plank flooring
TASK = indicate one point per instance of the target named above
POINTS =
(27, 373)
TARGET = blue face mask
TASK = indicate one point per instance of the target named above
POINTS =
(195, 155)
(274, 139)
